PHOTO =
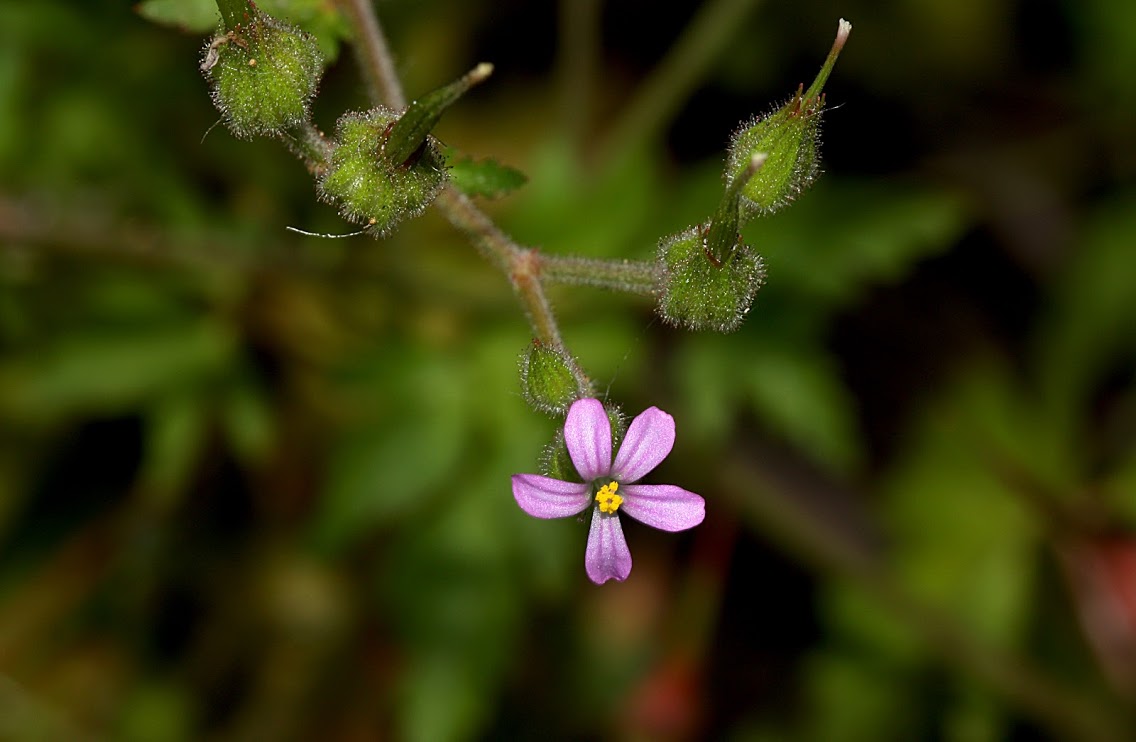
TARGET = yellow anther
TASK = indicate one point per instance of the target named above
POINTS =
(608, 500)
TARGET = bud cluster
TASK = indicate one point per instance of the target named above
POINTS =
(709, 276)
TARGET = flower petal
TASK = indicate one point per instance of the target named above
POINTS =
(648, 441)
(587, 433)
(545, 497)
(607, 556)
(663, 506)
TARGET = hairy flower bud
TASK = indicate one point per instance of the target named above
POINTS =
(709, 275)
(701, 292)
(367, 189)
(548, 381)
(263, 73)
(386, 167)
(789, 137)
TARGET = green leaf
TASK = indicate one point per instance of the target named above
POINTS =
(198, 16)
(486, 178)
(795, 392)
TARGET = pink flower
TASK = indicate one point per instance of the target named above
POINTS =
(609, 487)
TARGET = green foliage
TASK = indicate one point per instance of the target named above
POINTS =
(320, 19)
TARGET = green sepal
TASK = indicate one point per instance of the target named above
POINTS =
(409, 133)
(548, 381)
(701, 292)
(263, 75)
(555, 461)
(365, 188)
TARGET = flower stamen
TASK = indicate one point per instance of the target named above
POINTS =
(608, 500)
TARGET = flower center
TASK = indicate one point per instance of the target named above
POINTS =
(608, 500)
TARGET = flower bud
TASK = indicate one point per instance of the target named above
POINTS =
(367, 189)
(263, 73)
(699, 291)
(548, 381)
(709, 275)
(790, 139)
(386, 167)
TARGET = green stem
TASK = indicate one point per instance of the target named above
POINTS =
(310, 145)
(842, 30)
(521, 264)
(675, 78)
(629, 276)
(233, 12)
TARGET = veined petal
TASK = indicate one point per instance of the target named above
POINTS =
(663, 506)
(649, 439)
(545, 497)
(587, 433)
(607, 556)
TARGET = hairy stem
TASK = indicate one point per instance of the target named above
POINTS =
(375, 60)
(630, 276)
(521, 264)
(310, 145)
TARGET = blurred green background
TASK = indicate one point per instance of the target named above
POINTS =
(254, 486)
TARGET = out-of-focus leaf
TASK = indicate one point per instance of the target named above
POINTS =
(853, 699)
(792, 390)
(963, 538)
(565, 211)
(198, 16)
(175, 432)
(485, 177)
(155, 712)
(1093, 318)
(455, 599)
(247, 419)
(107, 373)
(389, 466)
(318, 17)
(845, 236)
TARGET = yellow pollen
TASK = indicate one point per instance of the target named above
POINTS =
(608, 500)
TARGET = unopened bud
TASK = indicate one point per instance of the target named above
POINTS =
(366, 188)
(702, 292)
(548, 382)
(263, 73)
(790, 139)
